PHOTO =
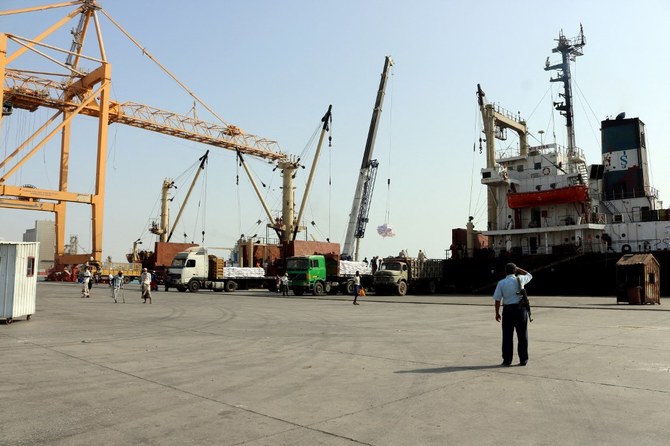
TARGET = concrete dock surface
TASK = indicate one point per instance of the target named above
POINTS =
(254, 368)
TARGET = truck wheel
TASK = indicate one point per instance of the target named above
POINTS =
(349, 287)
(194, 286)
(318, 289)
(127, 279)
(181, 288)
(402, 288)
(230, 287)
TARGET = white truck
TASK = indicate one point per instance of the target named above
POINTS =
(195, 269)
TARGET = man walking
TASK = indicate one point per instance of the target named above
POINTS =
(145, 281)
(117, 285)
(357, 287)
(514, 315)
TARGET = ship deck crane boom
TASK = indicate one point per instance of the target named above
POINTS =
(360, 208)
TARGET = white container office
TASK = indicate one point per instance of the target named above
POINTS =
(18, 279)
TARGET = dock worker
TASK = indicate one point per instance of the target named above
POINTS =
(117, 286)
(145, 281)
(357, 286)
(284, 284)
(514, 315)
(86, 290)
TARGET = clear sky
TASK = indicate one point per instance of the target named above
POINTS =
(272, 68)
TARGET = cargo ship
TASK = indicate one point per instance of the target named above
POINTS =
(549, 211)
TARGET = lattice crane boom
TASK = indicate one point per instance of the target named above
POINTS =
(28, 91)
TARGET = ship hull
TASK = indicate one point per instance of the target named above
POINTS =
(589, 274)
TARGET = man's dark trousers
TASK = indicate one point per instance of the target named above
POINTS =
(514, 317)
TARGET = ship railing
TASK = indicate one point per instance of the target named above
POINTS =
(508, 114)
(509, 152)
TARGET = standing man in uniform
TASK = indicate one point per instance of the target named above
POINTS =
(145, 281)
(514, 315)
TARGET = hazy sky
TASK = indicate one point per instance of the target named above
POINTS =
(272, 68)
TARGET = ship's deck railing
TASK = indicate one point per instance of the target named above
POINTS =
(512, 152)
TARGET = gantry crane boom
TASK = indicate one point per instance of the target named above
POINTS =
(28, 91)
(72, 91)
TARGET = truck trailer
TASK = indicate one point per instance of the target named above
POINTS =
(400, 275)
(321, 274)
(195, 269)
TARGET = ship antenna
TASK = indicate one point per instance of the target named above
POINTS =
(570, 49)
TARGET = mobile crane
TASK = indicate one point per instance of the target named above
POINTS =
(360, 208)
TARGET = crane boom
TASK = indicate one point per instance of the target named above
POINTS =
(360, 208)
(28, 91)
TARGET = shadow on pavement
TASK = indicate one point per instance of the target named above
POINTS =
(450, 369)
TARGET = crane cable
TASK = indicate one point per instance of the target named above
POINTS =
(162, 67)
(387, 212)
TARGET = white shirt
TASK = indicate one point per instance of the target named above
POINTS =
(145, 279)
(508, 288)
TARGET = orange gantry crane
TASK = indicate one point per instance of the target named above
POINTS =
(81, 86)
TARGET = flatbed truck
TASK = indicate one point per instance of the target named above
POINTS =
(320, 275)
(402, 275)
(195, 270)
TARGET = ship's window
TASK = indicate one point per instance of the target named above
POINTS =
(538, 166)
(643, 143)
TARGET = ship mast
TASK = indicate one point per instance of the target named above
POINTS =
(569, 49)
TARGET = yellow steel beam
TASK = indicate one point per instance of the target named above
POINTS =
(45, 34)
(27, 205)
(39, 8)
(44, 194)
(98, 202)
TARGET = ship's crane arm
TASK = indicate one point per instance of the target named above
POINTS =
(360, 208)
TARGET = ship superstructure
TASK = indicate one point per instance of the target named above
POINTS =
(554, 213)
(546, 199)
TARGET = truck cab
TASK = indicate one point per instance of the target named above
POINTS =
(188, 266)
(392, 275)
(307, 274)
